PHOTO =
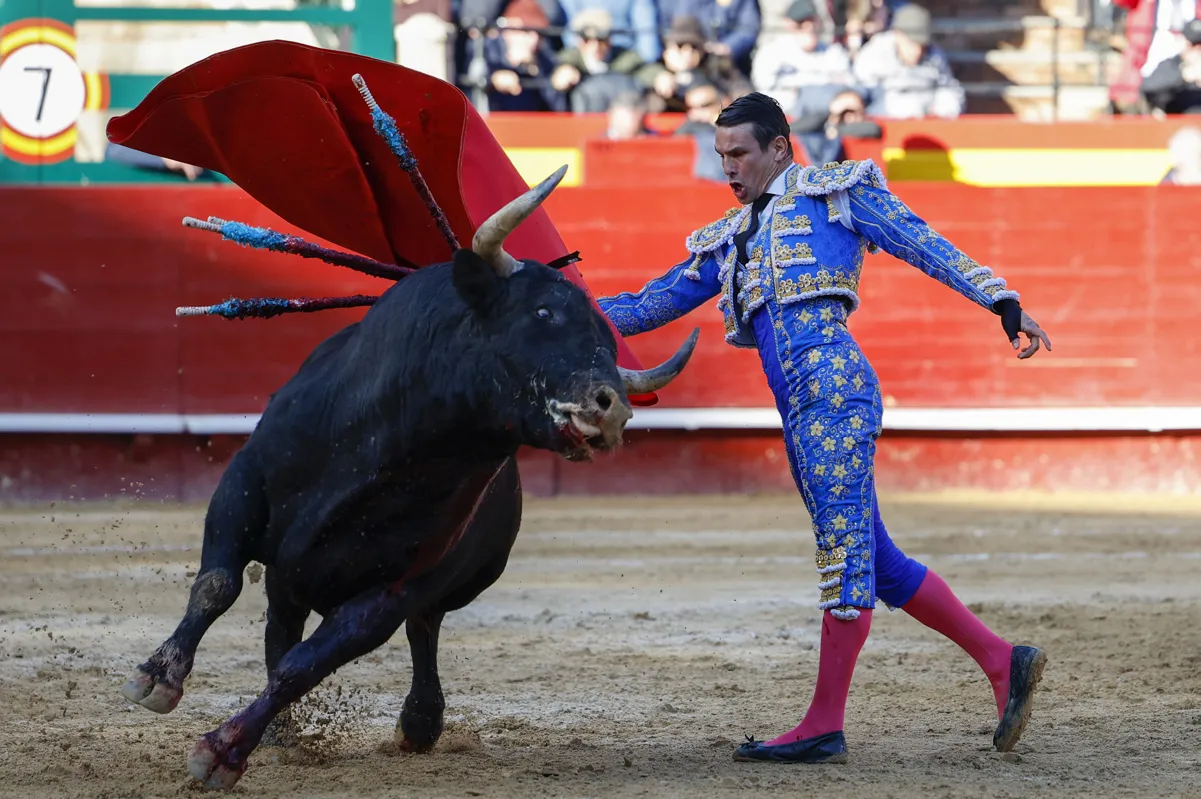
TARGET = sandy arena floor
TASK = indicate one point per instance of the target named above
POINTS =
(627, 649)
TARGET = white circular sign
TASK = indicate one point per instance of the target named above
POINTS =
(42, 90)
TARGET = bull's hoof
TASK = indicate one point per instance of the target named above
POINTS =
(214, 765)
(143, 689)
(414, 747)
(418, 732)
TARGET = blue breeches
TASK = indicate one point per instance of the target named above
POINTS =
(829, 400)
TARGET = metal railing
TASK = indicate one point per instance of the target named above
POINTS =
(473, 79)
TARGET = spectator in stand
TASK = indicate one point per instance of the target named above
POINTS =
(627, 117)
(1175, 85)
(633, 24)
(800, 60)
(906, 74)
(476, 16)
(1184, 148)
(686, 63)
(731, 26)
(860, 20)
(821, 134)
(595, 72)
(1166, 41)
(519, 68)
(704, 103)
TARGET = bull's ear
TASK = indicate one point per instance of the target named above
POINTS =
(476, 281)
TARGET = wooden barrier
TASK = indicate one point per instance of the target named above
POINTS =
(91, 278)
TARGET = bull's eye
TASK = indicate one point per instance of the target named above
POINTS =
(543, 312)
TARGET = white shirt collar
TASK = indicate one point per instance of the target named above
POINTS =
(780, 184)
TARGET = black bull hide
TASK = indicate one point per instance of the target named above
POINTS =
(380, 486)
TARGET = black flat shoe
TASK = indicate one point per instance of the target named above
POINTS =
(828, 748)
(1025, 670)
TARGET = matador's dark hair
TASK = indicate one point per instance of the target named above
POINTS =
(765, 115)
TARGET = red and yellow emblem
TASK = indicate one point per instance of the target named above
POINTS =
(43, 91)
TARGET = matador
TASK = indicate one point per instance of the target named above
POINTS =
(786, 265)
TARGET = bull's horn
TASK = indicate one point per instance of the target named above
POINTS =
(490, 238)
(648, 380)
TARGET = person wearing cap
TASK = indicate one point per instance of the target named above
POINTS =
(632, 24)
(785, 265)
(686, 63)
(906, 74)
(1175, 85)
(519, 66)
(731, 26)
(800, 62)
(596, 71)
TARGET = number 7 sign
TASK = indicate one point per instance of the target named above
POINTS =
(42, 91)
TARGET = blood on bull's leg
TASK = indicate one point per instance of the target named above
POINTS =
(285, 629)
(352, 630)
(420, 723)
(236, 516)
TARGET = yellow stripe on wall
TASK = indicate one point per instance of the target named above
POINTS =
(973, 166)
(536, 164)
(1029, 167)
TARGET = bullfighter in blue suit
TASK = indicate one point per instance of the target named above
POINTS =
(786, 265)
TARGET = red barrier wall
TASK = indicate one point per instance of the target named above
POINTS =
(91, 277)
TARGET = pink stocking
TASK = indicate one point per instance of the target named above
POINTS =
(840, 645)
(937, 607)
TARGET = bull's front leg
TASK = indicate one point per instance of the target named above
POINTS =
(158, 683)
(351, 631)
(420, 724)
(236, 517)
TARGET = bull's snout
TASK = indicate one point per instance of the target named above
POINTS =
(597, 418)
(613, 412)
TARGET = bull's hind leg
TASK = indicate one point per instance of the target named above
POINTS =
(350, 631)
(420, 724)
(285, 629)
(236, 516)
(490, 533)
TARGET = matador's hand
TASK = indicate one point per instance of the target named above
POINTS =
(1014, 321)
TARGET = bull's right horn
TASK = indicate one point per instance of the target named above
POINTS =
(648, 380)
(489, 240)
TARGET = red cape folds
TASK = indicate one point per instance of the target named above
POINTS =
(284, 122)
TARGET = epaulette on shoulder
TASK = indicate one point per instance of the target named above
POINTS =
(714, 234)
(838, 176)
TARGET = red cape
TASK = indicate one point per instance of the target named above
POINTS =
(284, 122)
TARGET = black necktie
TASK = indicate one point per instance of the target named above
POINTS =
(740, 239)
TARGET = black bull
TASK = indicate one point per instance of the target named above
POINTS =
(380, 486)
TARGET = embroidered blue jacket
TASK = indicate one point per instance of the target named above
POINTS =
(811, 244)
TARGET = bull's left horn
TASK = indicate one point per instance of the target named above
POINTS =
(490, 238)
(648, 380)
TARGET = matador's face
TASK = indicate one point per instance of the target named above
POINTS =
(749, 167)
